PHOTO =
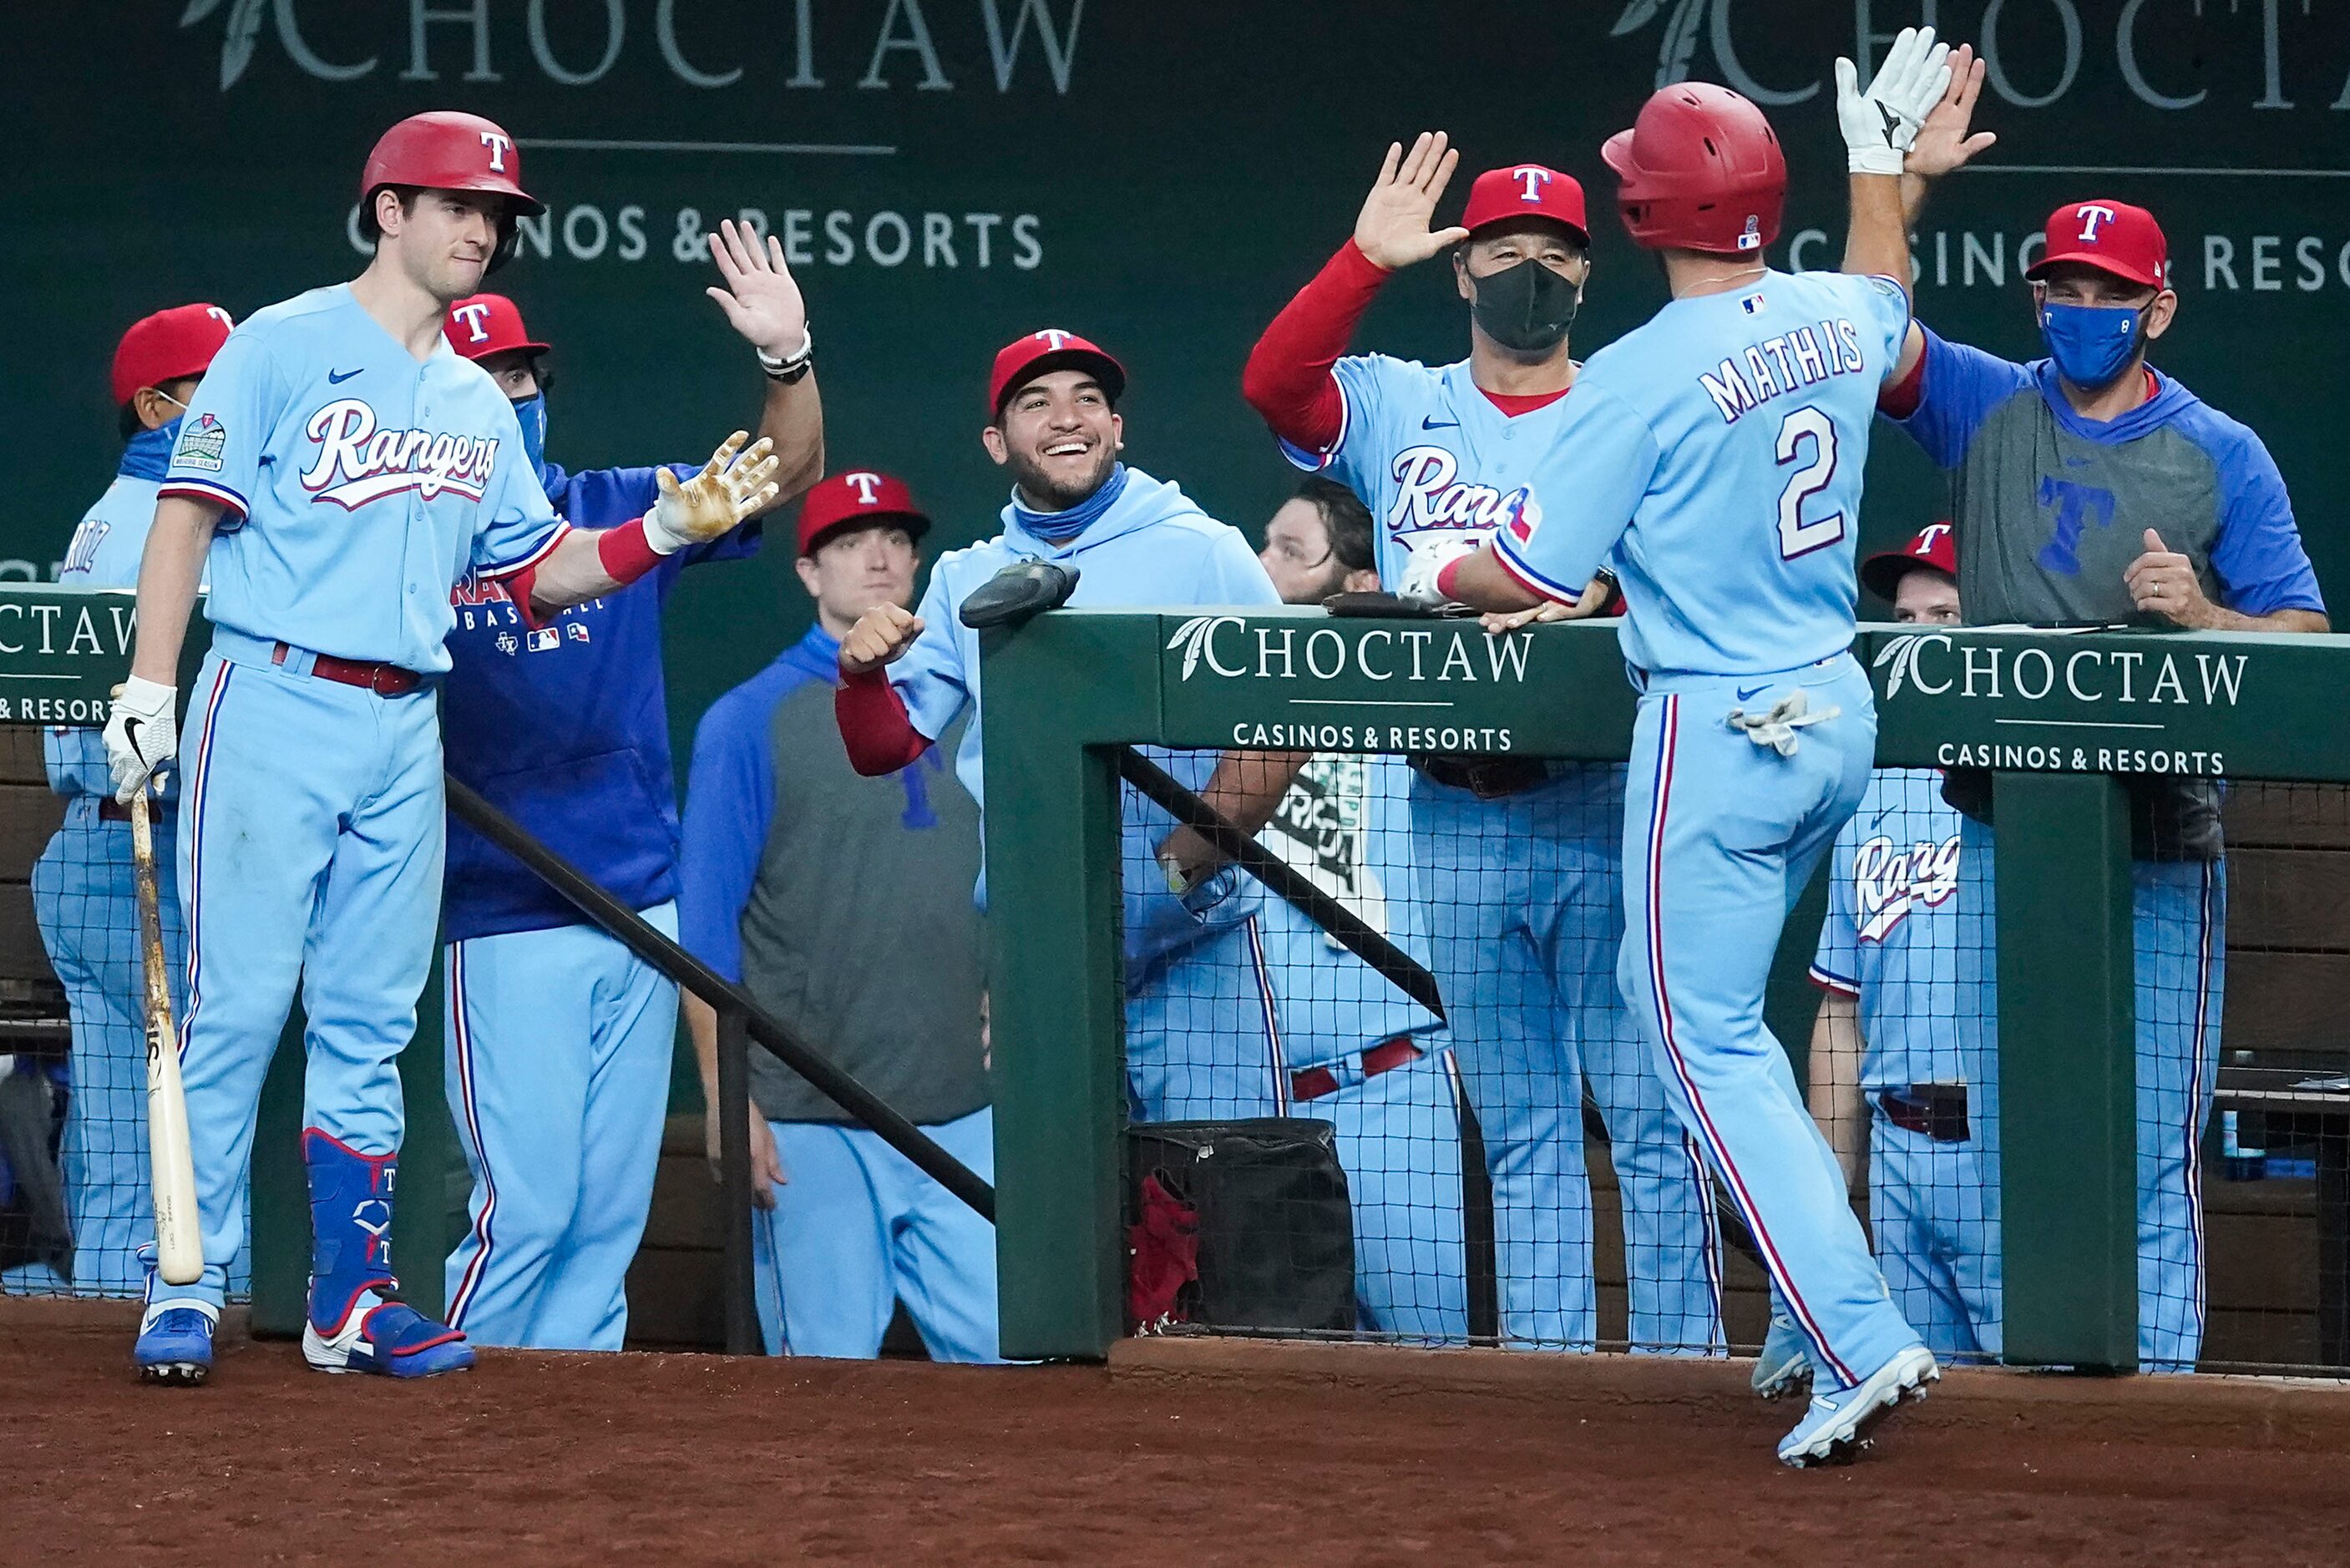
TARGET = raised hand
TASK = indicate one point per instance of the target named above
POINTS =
(1392, 229)
(728, 489)
(1880, 124)
(1943, 142)
(760, 299)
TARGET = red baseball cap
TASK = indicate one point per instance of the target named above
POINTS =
(1935, 545)
(1023, 360)
(167, 345)
(852, 499)
(2112, 237)
(1526, 190)
(487, 324)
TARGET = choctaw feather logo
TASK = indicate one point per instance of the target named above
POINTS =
(1192, 637)
(245, 21)
(1901, 653)
(1678, 46)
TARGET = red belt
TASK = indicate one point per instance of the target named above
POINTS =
(1935, 1111)
(383, 679)
(1312, 1082)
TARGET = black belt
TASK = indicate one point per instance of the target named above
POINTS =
(1487, 778)
(112, 810)
(1937, 1111)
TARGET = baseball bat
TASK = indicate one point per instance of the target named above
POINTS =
(179, 1239)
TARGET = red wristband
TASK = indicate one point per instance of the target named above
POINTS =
(1447, 576)
(625, 552)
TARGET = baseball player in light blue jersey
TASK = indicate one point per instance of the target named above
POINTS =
(340, 468)
(1198, 1025)
(84, 899)
(1721, 449)
(1522, 858)
(559, 1039)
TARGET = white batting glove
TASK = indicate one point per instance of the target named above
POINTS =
(1880, 124)
(1418, 584)
(142, 734)
(728, 489)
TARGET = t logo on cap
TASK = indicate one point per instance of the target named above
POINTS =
(868, 486)
(1052, 337)
(472, 316)
(2091, 215)
(1534, 179)
(497, 144)
(1929, 540)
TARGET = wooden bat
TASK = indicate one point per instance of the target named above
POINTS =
(179, 1238)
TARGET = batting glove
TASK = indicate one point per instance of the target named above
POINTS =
(728, 489)
(1419, 584)
(142, 734)
(1880, 124)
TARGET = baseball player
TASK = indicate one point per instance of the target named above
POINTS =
(1195, 1025)
(1720, 451)
(1356, 1050)
(84, 899)
(2088, 487)
(844, 905)
(1520, 856)
(559, 1038)
(338, 470)
(1903, 1075)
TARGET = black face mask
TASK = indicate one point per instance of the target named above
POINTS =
(1526, 308)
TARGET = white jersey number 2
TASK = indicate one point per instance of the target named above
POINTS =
(1797, 537)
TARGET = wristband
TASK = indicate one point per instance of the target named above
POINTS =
(625, 552)
(1448, 574)
(791, 369)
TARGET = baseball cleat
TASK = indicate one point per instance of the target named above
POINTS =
(175, 1344)
(389, 1337)
(1785, 1365)
(1835, 1430)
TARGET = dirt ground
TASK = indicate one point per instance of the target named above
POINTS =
(1178, 1453)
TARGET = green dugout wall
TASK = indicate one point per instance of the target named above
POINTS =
(2058, 716)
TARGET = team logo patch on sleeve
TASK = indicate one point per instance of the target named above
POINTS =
(201, 445)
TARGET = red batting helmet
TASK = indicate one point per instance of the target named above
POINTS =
(167, 345)
(446, 151)
(1701, 170)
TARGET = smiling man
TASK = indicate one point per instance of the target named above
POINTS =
(337, 471)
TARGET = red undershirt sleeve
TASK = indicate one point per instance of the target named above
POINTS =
(1899, 399)
(1287, 379)
(874, 725)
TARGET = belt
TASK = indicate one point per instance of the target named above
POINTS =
(383, 679)
(1935, 1111)
(112, 810)
(1312, 1082)
(1487, 778)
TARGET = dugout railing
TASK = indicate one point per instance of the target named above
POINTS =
(2060, 718)
(62, 650)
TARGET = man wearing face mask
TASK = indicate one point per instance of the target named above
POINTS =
(83, 897)
(558, 1037)
(1522, 858)
(2088, 487)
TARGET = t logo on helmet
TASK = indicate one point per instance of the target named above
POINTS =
(1536, 179)
(868, 486)
(2091, 215)
(472, 316)
(497, 145)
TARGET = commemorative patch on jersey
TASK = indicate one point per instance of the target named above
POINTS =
(202, 440)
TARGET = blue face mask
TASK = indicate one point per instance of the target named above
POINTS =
(2090, 343)
(531, 414)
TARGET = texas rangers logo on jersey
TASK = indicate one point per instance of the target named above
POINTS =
(1889, 883)
(358, 463)
(1430, 496)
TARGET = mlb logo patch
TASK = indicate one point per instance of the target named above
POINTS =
(1752, 304)
(1751, 239)
(201, 445)
(545, 639)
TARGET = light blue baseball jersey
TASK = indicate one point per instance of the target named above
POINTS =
(104, 554)
(1900, 939)
(1434, 458)
(360, 482)
(1153, 546)
(1719, 449)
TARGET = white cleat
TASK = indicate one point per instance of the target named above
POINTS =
(1784, 1366)
(1835, 1430)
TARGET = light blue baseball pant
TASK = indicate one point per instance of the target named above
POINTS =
(1526, 918)
(2179, 913)
(311, 822)
(1934, 1210)
(86, 901)
(558, 1062)
(1203, 1043)
(1721, 835)
(857, 1228)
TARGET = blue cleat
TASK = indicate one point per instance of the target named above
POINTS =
(358, 1322)
(1785, 1365)
(175, 1343)
(1835, 1430)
